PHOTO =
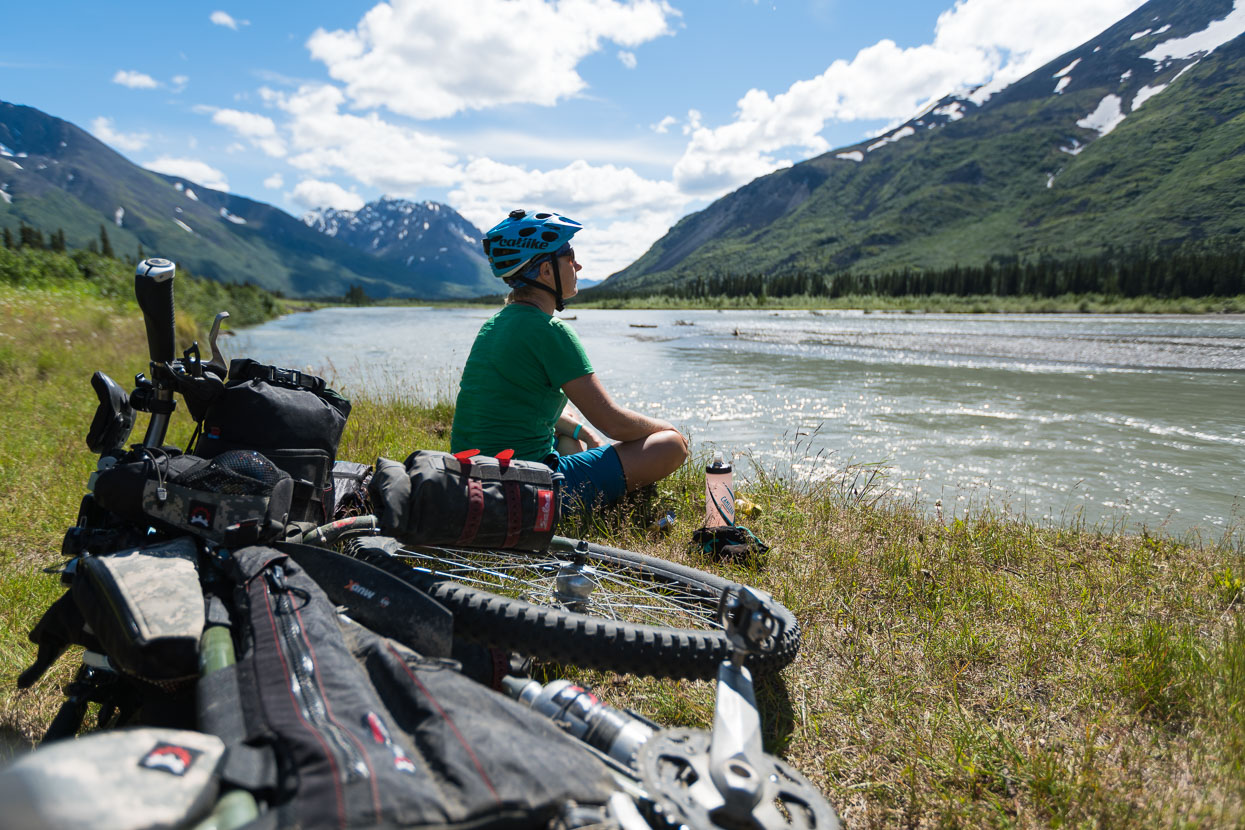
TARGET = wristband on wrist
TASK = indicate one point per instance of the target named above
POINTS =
(575, 434)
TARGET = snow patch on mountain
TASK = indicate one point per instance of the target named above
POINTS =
(191, 195)
(979, 95)
(5, 151)
(854, 155)
(4, 194)
(901, 133)
(183, 225)
(1204, 42)
(1062, 72)
(1141, 34)
(118, 216)
(1075, 148)
(1106, 117)
(1062, 85)
(1145, 94)
(226, 215)
(953, 111)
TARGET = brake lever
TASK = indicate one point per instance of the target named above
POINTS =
(218, 359)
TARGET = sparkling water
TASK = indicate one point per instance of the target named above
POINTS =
(1112, 420)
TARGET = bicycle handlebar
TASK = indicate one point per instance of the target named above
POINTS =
(153, 286)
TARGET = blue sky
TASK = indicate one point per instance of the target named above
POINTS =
(624, 114)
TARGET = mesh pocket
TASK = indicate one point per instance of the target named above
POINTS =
(235, 473)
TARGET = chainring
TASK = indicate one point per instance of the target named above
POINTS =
(674, 770)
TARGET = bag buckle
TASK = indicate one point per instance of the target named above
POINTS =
(293, 377)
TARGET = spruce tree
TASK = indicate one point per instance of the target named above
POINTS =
(105, 247)
(8, 238)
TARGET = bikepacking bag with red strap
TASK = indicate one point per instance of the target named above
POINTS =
(467, 499)
(362, 731)
(291, 417)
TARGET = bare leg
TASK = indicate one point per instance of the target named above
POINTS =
(569, 446)
(651, 458)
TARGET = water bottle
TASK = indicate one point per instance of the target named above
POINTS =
(616, 733)
(719, 493)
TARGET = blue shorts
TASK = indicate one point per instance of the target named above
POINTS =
(591, 477)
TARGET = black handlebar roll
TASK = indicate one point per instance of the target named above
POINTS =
(153, 286)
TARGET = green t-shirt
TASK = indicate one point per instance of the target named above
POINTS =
(511, 396)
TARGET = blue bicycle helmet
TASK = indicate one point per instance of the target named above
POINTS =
(521, 237)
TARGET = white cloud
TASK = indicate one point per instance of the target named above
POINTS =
(227, 20)
(311, 193)
(394, 159)
(626, 58)
(259, 129)
(975, 41)
(593, 194)
(192, 170)
(134, 80)
(103, 130)
(663, 126)
(625, 149)
(179, 82)
(432, 59)
(274, 182)
(693, 122)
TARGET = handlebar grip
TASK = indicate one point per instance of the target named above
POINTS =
(153, 287)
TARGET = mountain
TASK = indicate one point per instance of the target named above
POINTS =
(54, 175)
(1134, 138)
(425, 236)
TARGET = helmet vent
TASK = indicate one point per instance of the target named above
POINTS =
(549, 236)
(526, 231)
(543, 215)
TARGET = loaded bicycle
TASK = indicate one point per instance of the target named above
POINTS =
(289, 593)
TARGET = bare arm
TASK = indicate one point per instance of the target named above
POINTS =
(619, 423)
(568, 423)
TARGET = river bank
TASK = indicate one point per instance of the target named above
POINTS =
(935, 304)
(974, 671)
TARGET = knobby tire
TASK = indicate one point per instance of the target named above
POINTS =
(692, 648)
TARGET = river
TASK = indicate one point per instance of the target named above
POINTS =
(1114, 421)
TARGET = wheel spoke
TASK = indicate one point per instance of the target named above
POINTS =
(622, 593)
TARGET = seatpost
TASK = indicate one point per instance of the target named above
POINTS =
(153, 287)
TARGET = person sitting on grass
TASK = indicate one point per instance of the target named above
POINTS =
(525, 364)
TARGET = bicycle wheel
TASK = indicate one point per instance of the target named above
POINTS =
(598, 607)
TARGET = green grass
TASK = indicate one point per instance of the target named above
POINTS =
(982, 671)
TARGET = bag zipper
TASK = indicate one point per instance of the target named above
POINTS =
(304, 685)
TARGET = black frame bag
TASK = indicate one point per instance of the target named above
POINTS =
(292, 418)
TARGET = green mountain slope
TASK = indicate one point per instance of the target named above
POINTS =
(55, 175)
(965, 183)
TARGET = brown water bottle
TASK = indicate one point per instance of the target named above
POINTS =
(719, 493)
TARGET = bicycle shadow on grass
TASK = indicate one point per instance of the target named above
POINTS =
(777, 714)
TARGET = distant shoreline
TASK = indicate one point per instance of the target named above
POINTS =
(937, 304)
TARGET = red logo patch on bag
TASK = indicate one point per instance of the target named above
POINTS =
(201, 514)
(544, 511)
(170, 758)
